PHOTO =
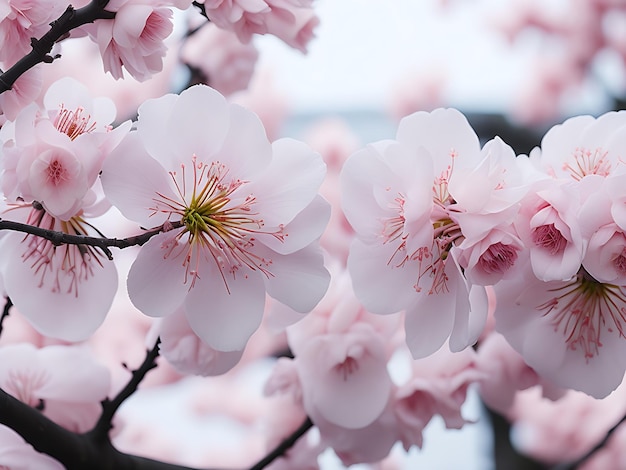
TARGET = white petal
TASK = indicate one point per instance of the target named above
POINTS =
(131, 180)
(59, 314)
(380, 286)
(225, 319)
(289, 184)
(306, 227)
(298, 280)
(156, 280)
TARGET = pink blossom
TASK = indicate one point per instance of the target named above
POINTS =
(64, 382)
(292, 21)
(344, 377)
(565, 429)
(226, 63)
(134, 39)
(53, 155)
(294, 26)
(407, 203)
(248, 210)
(548, 225)
(438, 386)
(570, 332)
(51, 160)
(23, 92)
(21, 20)
(188, 353)
(505, 373)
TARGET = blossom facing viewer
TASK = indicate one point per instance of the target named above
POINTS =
(244, 215)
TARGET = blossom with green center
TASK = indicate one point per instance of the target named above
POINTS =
(246, 213)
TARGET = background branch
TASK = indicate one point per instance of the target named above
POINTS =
(100, 432)
(60, 238)
(59, 28)
(284, 446)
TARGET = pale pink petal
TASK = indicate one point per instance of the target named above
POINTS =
(65, 314)
(441, 132)
(210, 119)
(131, 184)
(225, 319)
(303, 230)
(344, 377)
(298, 280)
(77, 376)
(188, 353)
(290, 183)
(379, 285)
(429, 321)
(246, 150)
(156, 280)
(364, 171)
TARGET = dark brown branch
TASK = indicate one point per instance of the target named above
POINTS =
(202, 8)
(74, 451)
(284, 446)
(61, 238)
(100, 432)
(59, 28)
(5, 313)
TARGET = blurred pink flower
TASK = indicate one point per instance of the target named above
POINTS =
(64, 382)
(226, 63)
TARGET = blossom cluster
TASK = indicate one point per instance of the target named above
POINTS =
(371, 270)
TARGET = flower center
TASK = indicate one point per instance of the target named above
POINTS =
(584, 307)
(61, 268)
(498, 258)
(585, 162)
(218, 220)
(73, 123)
(447, 233)
(550, 238)
(56, 173)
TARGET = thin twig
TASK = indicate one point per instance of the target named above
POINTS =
(100, 432)
(62, 238)
(284, 446)
(202, 9)
(5, 313)
(59, 28)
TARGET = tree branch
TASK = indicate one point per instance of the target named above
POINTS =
(60, 238)
(100, 432)
(284, 446)
(42, 47)
(5, 313)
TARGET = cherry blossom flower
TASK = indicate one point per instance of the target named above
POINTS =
(505, 374)
(53, 155)
(570, 332)
(438, 386)
(226, 63)
(416, 203)
(291, 21)
(51, 160)
(244, 213)
(182, 348)
(134, 39)
(565, 312)
(21, 20)
(64, 382)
